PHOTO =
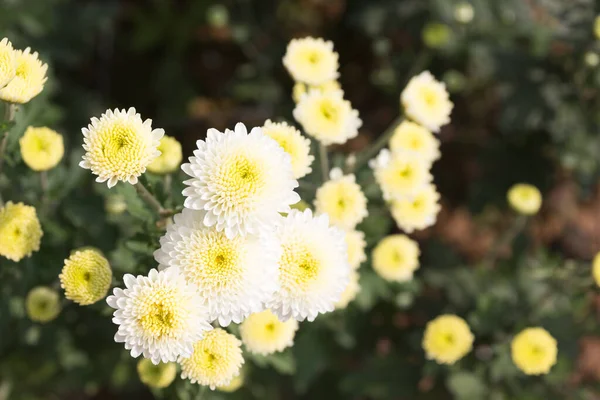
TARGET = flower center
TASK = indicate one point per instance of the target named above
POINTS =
(159, 321)
(429, 97)
(329, 111)
(299, 267)
(314, 57)
(22, 70)
(239, 180)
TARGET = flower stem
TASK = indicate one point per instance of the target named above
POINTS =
(324, 162)
(369, 153)
(9, 115)
(44, 187)
(150, 199)
(505, 240)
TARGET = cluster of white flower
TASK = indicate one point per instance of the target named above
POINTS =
(403, 170)
(236, 251)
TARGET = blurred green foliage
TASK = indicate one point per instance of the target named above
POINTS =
(527, 109)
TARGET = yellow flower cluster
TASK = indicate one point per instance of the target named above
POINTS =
(41, 148)
(157, 376)
(22, 74)
(86, 277)
(263, 333)
(596, 269)
(534, 351)
(20, 231)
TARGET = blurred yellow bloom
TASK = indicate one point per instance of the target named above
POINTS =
(20, 231)
(216, 360)
(293, 143)
(597, 27)
(534, 351)
(525, 199)
(447, 339)
(86, 277)
(464, 12)
(29, 79)
(426, 101)
(349, 294)
(115, 204)
(156, 376)
(301, 89)
(263, 333)
(311, 60)
(8, 62)
(236, 383)
(596, 269)
(418, 211)
(342, 199)
(436, 35)
(42, 304)
(396, 257)
(41, 148)
(411, 137)
(355, 240)
(327, 117)
(170, 156)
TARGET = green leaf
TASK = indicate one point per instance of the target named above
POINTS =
(466, 386)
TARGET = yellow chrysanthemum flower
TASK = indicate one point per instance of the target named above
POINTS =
(216, 359)
(236, 383)
(20, 231)
(294, 144)
(301, 89)
(41, 148)
(426, 101)
(418, 211)
(447, 339)
(42, 304)
(8, 62)
(29, 78)
(400, 174)
(464, 12)
(86, 277)
(596, 269)
(327, 117)
(525, 199)
(396, 257)
(534, 351)
(115, 204)
(597, 27)
(156, 376)
(436, 35)
(263, 333)
(411, 137)
(311, 60)
(350, 292)
(119, 146)
(355, 240)
(170, 156)
(342, 199)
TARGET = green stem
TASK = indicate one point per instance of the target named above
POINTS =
(201, 393)
(370, 152)
(44, 187)
(505, 240)
(324, 162)
(9, 116)
(150, 199)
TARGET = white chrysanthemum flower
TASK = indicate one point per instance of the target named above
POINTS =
(243, 180)
(327, 117)
(400, 174)
(355, 240)
(342, 199)
(426, 101)
(292, 141)
(313, 270)
(119, 146)
(411, 137)
(311, 60)
(8, 62)
(160, 315)
(234, 276)
(263, 333)
(418, 211)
